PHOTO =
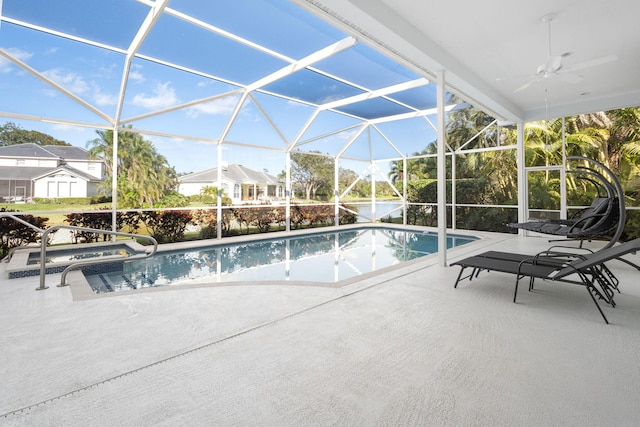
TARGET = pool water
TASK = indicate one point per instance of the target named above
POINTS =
(326, 257)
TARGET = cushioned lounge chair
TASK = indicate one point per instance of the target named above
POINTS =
(598, 219)
(588, 270)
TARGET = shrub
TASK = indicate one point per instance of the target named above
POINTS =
(242, 217)
(346, 217)
(93, 200)
(264, 217)
(125, 221)
(172, 199)
(167, 226)
(207, 220)
(632, 226)
(14, 233)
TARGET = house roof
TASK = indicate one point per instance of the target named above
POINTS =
(31, 150)
(27, 150)
(233, 172)
(68, 152)
(32, 173)
(15, 173)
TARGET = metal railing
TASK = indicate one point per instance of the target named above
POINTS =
(73, 266)
(21, 221)
(44, 238)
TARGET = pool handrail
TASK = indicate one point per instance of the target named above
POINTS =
(21, 221)
(63, 278)
(43, 250)
(44, 238)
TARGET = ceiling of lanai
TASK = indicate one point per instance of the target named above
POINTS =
(489, 49)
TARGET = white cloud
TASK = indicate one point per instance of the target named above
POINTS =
(76, 84)
(70, 81)
(163, 97)
(219, 106)
(103, 99)
(135, 73)
(6, 66)
(347, 135)
(329, 98)
(50, 92)
(295, 104)
(136, 76)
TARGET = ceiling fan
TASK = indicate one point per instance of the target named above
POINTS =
(553, 66)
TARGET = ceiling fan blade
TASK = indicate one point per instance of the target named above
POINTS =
(568, 77)
(523, 87)
(591, 63)
(553, 63)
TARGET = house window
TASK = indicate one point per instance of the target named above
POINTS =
(91, 167)
(236, 191)
(20, 162)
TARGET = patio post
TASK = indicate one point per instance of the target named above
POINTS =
(522, 177)
(114, 183)
(404, 190)
(287, 191)
(336, 192)
(219, 194)
(442, 177)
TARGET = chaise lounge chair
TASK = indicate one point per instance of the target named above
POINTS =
(598, 219)
(588, 270)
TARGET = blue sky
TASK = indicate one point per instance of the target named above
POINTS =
(93, 74)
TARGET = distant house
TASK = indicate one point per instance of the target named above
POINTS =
(50, 171)
(241, 184)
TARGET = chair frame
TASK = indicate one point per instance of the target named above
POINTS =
(557, 266)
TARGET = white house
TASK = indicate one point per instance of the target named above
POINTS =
(50, 171)
(241, 184)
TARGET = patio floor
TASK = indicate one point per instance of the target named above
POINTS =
(402, 348)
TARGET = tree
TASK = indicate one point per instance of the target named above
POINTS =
(12, 134)
(144, 175)
(417, 167)
(209, 195)
(312, 172)
(612, 137)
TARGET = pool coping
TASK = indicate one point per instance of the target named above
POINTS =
(81, 290)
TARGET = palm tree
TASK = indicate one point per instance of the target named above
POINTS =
(396, 171)
(608, 136)
(144, 175)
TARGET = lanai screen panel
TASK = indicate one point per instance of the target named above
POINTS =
(191, 73)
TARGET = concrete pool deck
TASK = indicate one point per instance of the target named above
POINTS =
(401, 348)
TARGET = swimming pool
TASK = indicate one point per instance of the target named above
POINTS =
(327, 257)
